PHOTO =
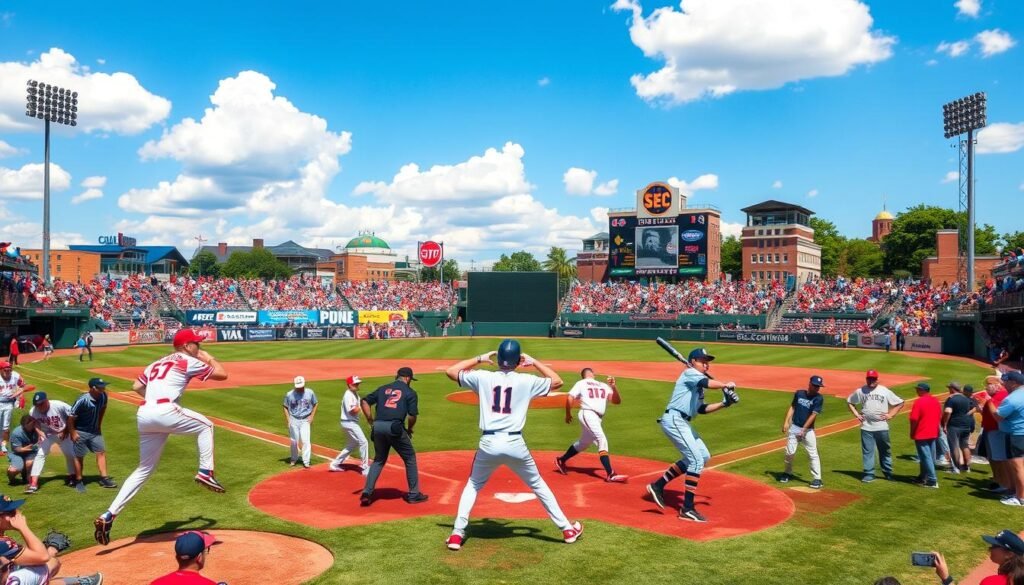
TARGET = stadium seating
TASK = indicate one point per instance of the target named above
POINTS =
(292, 294)
(398, 295)
(206, 292)
(694, 297)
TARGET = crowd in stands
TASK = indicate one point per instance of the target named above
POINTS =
(691, 297)
(830, 325)
(398, 295)
(294, 294)
(205, 292)
(840, 295)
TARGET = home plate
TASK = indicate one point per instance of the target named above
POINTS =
(514, 497)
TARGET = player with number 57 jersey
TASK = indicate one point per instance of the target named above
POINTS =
(505, 397)
(161, 385)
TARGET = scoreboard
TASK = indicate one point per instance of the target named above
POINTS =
(659, 246)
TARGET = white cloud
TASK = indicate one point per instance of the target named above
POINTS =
(777, 184)
(730, 229)
(711, 48)
(812, 193)
(544, 81)
(7, 150)
(600, 216)
(994, 42)
(87, 195)
(931, 62)
(29, 235)
(951, 176)
(107, 102)
(607, 188)
(27, 182)
(969, 8)
(94, 182)
(1001, 138)
(101, 61)
(954, 49)
(706, 181)
(579, 181)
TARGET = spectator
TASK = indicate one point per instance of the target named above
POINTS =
(47, 347)
(1010, 415)
(85, 428)
(24, 446)
(191, 550)
(993, 441)
(879, 404)
(80, 344)
(925, 418)
(957, 418)
(15, 351)
(1006, 550)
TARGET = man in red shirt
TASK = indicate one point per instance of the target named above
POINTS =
(993, 441)
(190, 549)
(925, 418)
(15, 351)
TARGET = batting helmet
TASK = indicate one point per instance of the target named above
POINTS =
(509, 354)
(700, 354)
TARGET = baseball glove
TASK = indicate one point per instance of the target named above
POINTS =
(57, 540)
(730, 396)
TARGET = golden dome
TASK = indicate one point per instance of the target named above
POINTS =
(884, 215)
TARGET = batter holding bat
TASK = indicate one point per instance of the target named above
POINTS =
(687, 402)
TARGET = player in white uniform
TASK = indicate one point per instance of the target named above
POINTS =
(350, 426)
(12, 386)
(300, 404)
(51, 418)
(161, 384)
(35, 562)
(505, 398)
(593, 397)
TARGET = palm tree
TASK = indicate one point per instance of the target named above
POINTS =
(559, 263)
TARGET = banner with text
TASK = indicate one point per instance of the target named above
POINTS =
(260, 334)
(777, 338)
(205, 317)
(337, 317)
(288, 317)
(136, 336)
(382, 316)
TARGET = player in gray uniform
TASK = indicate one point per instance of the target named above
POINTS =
(687, 402)
(299, 409)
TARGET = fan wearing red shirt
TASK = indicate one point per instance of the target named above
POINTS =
(190, 548)
(925, 417)
(993, 441)
(1005, 549)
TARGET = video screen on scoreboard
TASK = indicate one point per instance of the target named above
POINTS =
(662, 246)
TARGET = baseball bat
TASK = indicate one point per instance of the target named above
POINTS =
(675, 353)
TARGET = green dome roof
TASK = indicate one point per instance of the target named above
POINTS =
(367, 241)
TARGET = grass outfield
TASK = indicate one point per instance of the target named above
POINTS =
(868, 538)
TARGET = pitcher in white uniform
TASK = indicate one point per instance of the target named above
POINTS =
(350, 426)
(505, 398)
(593, 397)
(12, 386)
(161, 384)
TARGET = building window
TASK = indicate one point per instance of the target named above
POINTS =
(785, 258)
(753, 258)
(776, 258)
(58, 256)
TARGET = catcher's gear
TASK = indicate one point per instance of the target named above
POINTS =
(57, 540)
(730, 396)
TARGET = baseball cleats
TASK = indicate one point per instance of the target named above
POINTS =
(454, 542)
(335, 467)
(573, 533)
(415, 498)
(364, 499)
(305, 465)
(657, 495)
(207, 481)
(617, 478)
(107, 482)
(560, 466)
(691, 515)
(31, 489)
(816, 484)
(102, 532)
(784, 478)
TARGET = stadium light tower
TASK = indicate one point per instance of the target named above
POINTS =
(959, 117)
(49, 103)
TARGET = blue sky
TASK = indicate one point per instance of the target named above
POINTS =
(321, 110)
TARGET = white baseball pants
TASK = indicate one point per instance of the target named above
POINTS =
(6, 413)
(298, 432)
(66, 447)
(810, 442)
(355, 439)
(510, 450)
(157, 422)
(591, 432)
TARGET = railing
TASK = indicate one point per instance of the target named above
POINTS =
(1014, 300)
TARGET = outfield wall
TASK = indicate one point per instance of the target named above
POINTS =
(702, 335)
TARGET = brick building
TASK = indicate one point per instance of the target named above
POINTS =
(881, 226)
(778, 242)
(944, 266)
(69, 265)
(365, 257)
(592, 260)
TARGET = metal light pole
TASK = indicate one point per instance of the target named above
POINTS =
(964, 116)
(51, 104)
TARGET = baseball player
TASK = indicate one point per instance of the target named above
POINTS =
(350, 426)
(12, 386)
(299, 409)
(36, 562)
(86, 421)
(51, 418)
(593, 397)
(505, 398)
(686, 403)
(24, 445)
(161, 384)
(799, 428)
(395, 402)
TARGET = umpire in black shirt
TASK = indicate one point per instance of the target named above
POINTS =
(395, 402)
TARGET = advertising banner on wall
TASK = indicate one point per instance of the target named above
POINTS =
(287, 317)
(102, 338)
(928, 344)
(259, 334)
(572, 332)
(144, 336)
(777, 338)
(288, 333)
(337, 317)
(230, 334)
(382, 316)
(316, 333)
(200, 317)
(341, 333)
(206, 317)
(361, 332)
(232, 317)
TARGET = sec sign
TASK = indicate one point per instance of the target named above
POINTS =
(430, 253)
(657, 199)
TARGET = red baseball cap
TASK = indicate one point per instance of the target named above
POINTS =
(187, 336)
(5, 365)
(872, 374)
(353, 380)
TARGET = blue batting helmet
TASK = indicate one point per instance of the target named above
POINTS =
(509, 354)
(700, 354)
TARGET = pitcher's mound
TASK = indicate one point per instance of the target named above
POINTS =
(238, 556)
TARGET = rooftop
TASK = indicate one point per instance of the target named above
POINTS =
(773, 205)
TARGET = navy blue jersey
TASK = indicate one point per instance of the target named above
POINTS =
(394, 401)
(804, 404)
(87, 412)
